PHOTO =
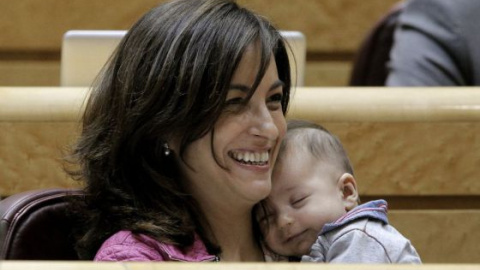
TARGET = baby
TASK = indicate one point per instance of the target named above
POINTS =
(313, 211)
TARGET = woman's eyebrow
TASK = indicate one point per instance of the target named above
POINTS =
(276, 84)
(240, 87)
(245, 88)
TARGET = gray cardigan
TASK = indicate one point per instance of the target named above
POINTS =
(363, 235)
(437, 43)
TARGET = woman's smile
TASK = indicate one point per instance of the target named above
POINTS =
(250, 157)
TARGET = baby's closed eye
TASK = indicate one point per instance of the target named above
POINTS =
(299, 201)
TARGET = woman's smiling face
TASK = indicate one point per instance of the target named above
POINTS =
(245, 139)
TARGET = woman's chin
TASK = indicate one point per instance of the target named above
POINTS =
(261, 190)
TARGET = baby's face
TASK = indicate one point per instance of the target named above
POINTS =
(304, 197)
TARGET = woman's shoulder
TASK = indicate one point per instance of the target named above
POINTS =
(127, 246)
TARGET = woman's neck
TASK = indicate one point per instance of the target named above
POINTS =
(233, 232)
(228, 223)
(237, 240)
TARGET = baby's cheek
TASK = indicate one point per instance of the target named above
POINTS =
(266, 231)
(271, 240)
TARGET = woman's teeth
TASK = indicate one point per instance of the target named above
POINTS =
(255, 158)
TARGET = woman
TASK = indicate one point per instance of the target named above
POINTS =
(180, 136)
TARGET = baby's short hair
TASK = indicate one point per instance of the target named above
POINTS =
(322, 144)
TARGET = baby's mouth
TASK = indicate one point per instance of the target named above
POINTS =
(294, 237)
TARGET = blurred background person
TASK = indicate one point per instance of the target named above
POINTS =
(436, 43)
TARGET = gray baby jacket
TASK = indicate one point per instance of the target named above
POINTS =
(363, 235)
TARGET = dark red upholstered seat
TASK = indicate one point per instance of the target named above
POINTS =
(37, 225)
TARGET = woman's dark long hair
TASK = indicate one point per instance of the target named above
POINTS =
(168, 78)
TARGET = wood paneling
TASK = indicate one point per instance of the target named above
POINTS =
(441, 236)
(327, 73)
(406, 159)
(30, 25)
(433, 151)
(31, 155)
(29, 73)
(413, 158)
(330, 25)
(30, 28)
(47, 73)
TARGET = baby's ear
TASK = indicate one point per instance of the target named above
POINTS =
(348, 188)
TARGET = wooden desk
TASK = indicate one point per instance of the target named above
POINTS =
(417, 148)
(25, 265)
(415, 141)
(57, 104)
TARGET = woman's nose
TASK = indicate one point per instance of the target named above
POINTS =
(264, 124)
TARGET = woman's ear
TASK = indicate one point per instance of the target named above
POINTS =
(173, 143)
(348, 189)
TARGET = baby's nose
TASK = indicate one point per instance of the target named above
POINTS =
(285, 221)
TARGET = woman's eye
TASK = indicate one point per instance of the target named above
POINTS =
(234, 101)
(275, 101)
(234, 105)
(276, 97)
(235, 97)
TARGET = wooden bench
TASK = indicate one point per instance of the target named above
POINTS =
(25, 265)
(417, 148)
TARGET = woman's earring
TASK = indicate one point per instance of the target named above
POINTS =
(166, 149)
